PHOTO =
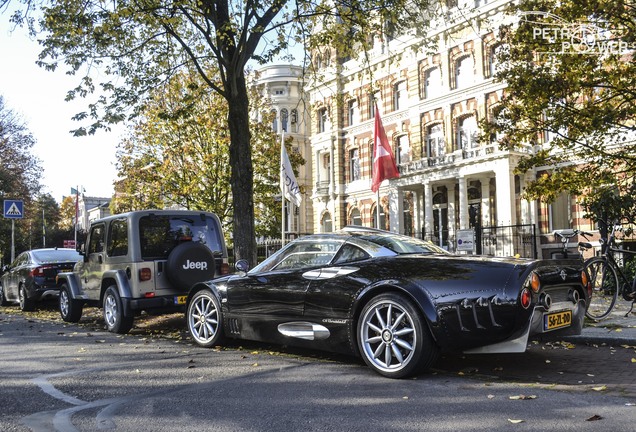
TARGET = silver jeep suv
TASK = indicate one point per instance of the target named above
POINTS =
(142, 260)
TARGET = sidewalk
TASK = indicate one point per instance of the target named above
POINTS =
(617, 329)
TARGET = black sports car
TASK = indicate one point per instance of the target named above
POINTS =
(31, 276)
(394, 300)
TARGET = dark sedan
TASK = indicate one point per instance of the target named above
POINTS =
(393, 300)
(31, 276)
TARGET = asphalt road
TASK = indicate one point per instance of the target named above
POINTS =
(57, 377)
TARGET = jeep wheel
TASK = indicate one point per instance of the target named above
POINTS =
(116, 321)
(205, 322)
(189, 263)
(70, 309)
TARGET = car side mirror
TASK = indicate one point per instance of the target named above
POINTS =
(242, 266)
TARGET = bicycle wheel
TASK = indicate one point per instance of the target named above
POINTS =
(604, 282)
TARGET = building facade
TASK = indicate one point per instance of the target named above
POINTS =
(452, 186)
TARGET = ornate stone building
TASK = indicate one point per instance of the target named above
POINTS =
(450, 183)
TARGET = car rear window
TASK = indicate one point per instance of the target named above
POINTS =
(158, 235)
(59, 255)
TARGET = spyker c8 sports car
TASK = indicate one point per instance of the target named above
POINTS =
(396, 301)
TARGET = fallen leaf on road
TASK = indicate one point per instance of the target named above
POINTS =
(515, 421)
(618, 330)
(255, 365)
(633, 360)
(594, 418)
(601, 388)
(491, 396)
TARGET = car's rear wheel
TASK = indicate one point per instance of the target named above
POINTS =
(116, 321)
(393, 338)
(70, 309)
(26, 304)
(205, 321)
(3, 299)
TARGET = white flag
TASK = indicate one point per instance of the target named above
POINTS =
(288, 184)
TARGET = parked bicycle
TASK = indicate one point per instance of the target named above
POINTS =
(565, 235)
(609, 278)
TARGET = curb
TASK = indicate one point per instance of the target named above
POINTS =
(608, 336)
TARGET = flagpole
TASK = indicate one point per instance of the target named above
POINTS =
(282, 194)
(377, 213)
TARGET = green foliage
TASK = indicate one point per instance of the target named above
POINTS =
(569, 74)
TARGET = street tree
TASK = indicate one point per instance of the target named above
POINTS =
(19, 175)
(137, 45)
(177, 154)
(570, 75)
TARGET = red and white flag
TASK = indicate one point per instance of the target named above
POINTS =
(383, 161)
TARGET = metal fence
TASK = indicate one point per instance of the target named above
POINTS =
(508, 240)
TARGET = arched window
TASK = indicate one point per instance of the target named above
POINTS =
(294, 120)
(322, 120)
(354, 164)
(435, 140)
(464, 72)
(403, 149)
(374, 218)
(356, 219)
(274, 121)
(433, 83)
(326, 223)
(467, 133)
(284, 119)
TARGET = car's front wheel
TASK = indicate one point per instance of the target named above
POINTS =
(70, 309)
(116, 321)
(204, 318)
(393, 338)
(26, 304)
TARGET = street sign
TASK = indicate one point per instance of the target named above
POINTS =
(466, 240)
(13, 209)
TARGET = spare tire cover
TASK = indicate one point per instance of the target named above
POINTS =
(189, 263)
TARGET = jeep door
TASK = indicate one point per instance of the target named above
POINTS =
(93, 266)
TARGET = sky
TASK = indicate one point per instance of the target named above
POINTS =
(37, 96)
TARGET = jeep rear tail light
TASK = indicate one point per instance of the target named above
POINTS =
(145, 274)
(225, 268)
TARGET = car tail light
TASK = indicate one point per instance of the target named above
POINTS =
(145, 274)
(39, 271)
(225, 268)
(587, 284)
(149, 294)
(526, 298)
(535, 283)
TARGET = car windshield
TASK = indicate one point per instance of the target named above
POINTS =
(402, 244)
(301, 254)
(59, 255)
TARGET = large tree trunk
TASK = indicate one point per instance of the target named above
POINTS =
(241, 178)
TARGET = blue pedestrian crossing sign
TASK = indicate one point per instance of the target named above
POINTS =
(13, 209)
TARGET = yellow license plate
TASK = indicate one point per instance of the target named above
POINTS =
(557, 320)
(180, 300)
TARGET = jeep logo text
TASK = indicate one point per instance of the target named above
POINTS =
(200, 265)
